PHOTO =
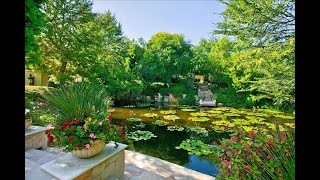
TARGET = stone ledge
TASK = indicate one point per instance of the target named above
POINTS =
(70, 167)
(33, 130)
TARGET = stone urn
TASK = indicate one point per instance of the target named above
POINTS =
(95, 148)
(27, 123)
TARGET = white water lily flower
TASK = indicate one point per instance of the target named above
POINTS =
(26, 111)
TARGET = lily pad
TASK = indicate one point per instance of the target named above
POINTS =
(231, 114)
(168, 112)
(175, 128)
(171, 117)
(134, 119)
(141, 135)
(196, 147)
(255, 118)
(241, 122)
(199, 119)
(199, 114)
(141, 125)
(197, 129)
(160, 123)
(221, 123)
(151, 115)
(188, 110)
(284, 116)
(291, 125)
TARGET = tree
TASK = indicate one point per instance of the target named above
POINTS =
(258, 21)
(64, 37)
(167, 58)
(34, 22)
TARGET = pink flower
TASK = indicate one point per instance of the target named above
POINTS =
(246, 147)
(288, 154)
(283, 136)
(87, 146)
(100, 123)
(277, 170)
(84, 126)
(236, 153)
(234, 139)
(268, 157)
(227, 163)
(92, 136)
(248, 166)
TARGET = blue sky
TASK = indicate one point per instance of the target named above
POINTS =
(144, 19)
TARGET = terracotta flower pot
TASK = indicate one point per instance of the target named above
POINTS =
(95, 148)
(28, 123)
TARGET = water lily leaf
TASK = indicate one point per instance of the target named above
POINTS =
(284, 116)
(199, 114)
(152, 115)
(171, 117)
(291, 125)
(188, 110)
(196, 147)
(134, 119)
(168, 112)
(199, 119)
(141, 135)
(175, 128)
(160, 122)
(197, 129)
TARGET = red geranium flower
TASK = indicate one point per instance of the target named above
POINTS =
(121, 122)
(47, 131)
(79, 145)
(76, 121)
(71, 138)
(223, 147)
(236, 153)
(227, 163)
(277, 170)
(246, 147)
(51, 139)
(248, 166)
(283, 136)
(268, 157)
(214, 143)
(270, 143)
(110, 118)
(73, 130)
(63, 127)
(252, 133)
(122, 136)
(108, 127)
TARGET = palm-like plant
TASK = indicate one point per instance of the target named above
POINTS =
(80, 100)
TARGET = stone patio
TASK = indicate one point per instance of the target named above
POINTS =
(137, 167)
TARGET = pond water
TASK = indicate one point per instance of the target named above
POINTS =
(163, 146)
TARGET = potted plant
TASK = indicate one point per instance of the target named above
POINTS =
(83, 125)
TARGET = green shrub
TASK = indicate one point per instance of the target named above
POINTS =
(78, 100)
(178, 89)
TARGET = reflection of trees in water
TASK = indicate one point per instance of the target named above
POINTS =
(163, 146)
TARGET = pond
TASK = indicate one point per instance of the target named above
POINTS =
(173, 125)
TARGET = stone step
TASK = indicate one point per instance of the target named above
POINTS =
(33, 172)
(41, 156)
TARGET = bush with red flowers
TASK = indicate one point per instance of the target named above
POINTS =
(259, 154)
(81, 133)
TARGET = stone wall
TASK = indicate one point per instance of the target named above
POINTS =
(36, 140)
(113, 166)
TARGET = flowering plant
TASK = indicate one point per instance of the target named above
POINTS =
(77, 134)
(82, 117)
(258, 154)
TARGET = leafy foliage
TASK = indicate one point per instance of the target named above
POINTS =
(195, 147)
(160, 123)
(141, 135)
(175, 128)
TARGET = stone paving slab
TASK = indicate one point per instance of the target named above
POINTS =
(137, 167)
(33, 172)
(34, 129)
(141, 166)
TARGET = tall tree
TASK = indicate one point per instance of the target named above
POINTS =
(63, 38)
(34, 22)
(167, 57)
(258, 21)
